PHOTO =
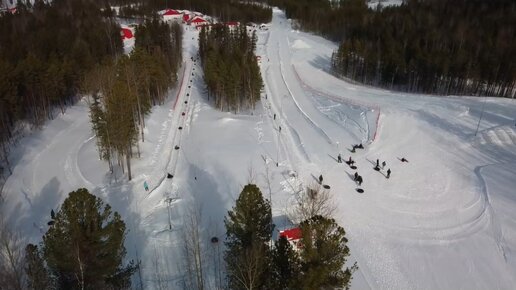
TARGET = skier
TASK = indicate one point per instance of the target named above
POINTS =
(339, 159)
(356, 176)
(274, 116)
(320, 179)
(359, 180)
(388, 173)
(349, 161)
(146, 186)
(383, 164)
(378, 163)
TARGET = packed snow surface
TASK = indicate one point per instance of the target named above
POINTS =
(443, 220)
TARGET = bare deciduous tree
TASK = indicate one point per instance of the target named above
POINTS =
(11, 258)
(252, 263)
(314, 200)
(193, 251)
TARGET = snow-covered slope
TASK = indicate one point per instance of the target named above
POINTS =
(444, 220)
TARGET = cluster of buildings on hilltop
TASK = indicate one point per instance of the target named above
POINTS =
(184, 16)
(194, 19)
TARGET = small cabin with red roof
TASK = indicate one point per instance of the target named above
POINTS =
(232, 25)
(293, 235)
(186, 18)
(126, 33)
(197, 21)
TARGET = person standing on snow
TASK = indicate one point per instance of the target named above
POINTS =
(383, 164)
(359, 180)
(388, 173)
(320, 179)
(339, 158)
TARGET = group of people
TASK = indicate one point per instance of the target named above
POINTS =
(377, 167)
(358, 178)
(350, 161)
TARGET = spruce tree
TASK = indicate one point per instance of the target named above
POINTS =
(84, 248)
(324, 252)
(248, 232)
(285, 266)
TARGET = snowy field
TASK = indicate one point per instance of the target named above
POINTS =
(444, 220)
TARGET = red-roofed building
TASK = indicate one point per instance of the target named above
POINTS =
(171, 12)
(126, 33)
(293, 235)
(197, 20)
(232, 25)
(172, 15)
(186, 18)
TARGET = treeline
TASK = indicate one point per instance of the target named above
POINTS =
(44, 54)
(438, 47)
(230, 67)
(224, 10)
(123, 91)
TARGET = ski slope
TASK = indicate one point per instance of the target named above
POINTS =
(444, 220)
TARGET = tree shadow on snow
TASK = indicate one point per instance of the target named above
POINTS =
(321, 63)
(38, 216)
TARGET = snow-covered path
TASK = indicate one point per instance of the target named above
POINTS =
(444, 220)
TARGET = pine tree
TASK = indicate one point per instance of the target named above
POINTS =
(248, 232)
(84, 249)
(285, 266)
(324, 252)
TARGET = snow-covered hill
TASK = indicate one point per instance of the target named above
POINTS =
(444, 220)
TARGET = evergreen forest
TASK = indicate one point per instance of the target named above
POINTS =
(438, 47)
(45, 52)
(230, 67)
(123, 91)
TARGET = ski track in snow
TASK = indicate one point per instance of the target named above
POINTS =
(305, 115)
